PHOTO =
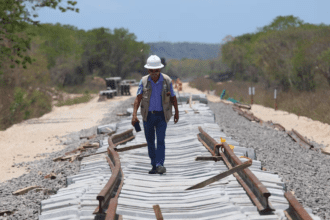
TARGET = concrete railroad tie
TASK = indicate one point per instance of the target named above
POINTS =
(145, 196)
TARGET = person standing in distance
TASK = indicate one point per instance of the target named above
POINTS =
(156, 95)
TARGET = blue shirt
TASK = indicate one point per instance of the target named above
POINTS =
(155, 103)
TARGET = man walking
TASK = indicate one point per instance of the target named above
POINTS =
(156, 93)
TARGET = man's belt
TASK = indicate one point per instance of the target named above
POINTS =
(154, 112)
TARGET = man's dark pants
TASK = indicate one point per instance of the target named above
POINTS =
(156, 120)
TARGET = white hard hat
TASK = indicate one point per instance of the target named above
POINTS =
(154, 62)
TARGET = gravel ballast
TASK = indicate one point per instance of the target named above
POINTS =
(305, 172)
(27, 206)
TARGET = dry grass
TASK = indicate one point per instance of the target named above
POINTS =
(314, 105)
(77, 100)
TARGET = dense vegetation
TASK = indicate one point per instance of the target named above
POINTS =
(287, 54)
(66, 59)
(12, 22)
(20, 95)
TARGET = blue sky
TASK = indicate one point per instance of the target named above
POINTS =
(203, 21)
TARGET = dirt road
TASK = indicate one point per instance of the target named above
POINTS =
(24, 141)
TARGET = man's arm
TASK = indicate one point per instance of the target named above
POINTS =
(137, 104)
(175, 104)
(138, 98)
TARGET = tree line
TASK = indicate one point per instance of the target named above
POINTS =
(72, 54)
(287, 54)
(99, 52)
(35, 57)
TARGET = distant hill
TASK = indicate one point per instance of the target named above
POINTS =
(184, 50)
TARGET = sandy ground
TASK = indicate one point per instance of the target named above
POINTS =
(24, 141)
(314, 130)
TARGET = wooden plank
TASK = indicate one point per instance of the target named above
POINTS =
(65, 157)
(25, 190)
(69, 157)
(158, 212)
(73, 158)
(243, 106)
(83, 147)
(70, 152)
(97, 145)
(131, 147)
(216, 158)
(57, 158)
(221, 175)
(92, 154)
(325, 150)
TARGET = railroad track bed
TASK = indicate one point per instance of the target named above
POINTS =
(125, 190)
(293, 133)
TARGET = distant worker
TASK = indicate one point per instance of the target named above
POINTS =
(157, 95)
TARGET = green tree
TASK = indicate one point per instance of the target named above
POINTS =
(275, 54)
(113, 54)
(62, 41)
(324, 64)
(233, 56)
(12, 47)
(303, 78)
(281, 23)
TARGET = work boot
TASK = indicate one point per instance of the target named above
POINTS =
(161, 169)
(153, 170)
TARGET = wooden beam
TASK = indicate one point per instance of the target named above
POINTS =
(131, 147)
(215, 158)
(25, 190)
(221, 175)
(158, 212)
